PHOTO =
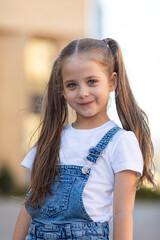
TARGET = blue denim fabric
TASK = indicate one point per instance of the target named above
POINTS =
(63, 215)
(95, 152)
(74, 231)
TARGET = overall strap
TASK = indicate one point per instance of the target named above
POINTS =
(96, 152)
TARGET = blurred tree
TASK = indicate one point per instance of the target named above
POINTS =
(6, 180)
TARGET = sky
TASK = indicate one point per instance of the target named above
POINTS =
(136, 26)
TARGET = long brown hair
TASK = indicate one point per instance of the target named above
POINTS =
(108, 54)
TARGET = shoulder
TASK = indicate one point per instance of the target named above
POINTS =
(125, 153)
(123, 138)
(29, 158)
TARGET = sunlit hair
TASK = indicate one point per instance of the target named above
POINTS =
(108, 54)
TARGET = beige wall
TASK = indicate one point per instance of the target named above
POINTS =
(13, 99)
(57, 20)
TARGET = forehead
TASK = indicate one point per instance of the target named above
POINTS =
(81, 64)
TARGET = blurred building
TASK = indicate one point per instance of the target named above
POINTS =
(32, 33)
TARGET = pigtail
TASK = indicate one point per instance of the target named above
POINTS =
(48, 145)
(131, 115)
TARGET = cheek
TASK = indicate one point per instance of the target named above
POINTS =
(101, 92)
(102, 96)
(69, 96)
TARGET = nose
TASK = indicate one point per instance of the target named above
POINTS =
(83, 92)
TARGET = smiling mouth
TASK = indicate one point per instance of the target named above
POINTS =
(86, 103)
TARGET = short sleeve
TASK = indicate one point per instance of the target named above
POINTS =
(127, 154)
(29, 159)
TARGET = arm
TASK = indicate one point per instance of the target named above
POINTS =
(22, 225)
(123, 203)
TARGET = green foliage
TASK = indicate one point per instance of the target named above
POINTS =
(6, 180)
(19, 192)
(7, 184)
(148, 194)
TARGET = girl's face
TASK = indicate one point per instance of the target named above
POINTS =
(86, 87)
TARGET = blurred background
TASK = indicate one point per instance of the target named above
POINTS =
(32, 33)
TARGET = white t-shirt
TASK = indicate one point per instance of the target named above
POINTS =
(122, 153)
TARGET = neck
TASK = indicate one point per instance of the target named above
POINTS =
(89, 122)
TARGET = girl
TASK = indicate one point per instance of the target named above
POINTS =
(77, 167)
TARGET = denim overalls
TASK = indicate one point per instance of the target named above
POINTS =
(63, 215)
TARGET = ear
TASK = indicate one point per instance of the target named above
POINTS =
(113, 81)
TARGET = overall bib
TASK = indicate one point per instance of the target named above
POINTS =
(63, 215)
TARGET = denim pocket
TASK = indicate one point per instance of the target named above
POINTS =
(59, 200)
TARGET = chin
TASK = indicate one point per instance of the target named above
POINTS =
(88, 115)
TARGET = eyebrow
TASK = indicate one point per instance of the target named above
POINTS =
(89, 77)
(92, 76)
(68, 81)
